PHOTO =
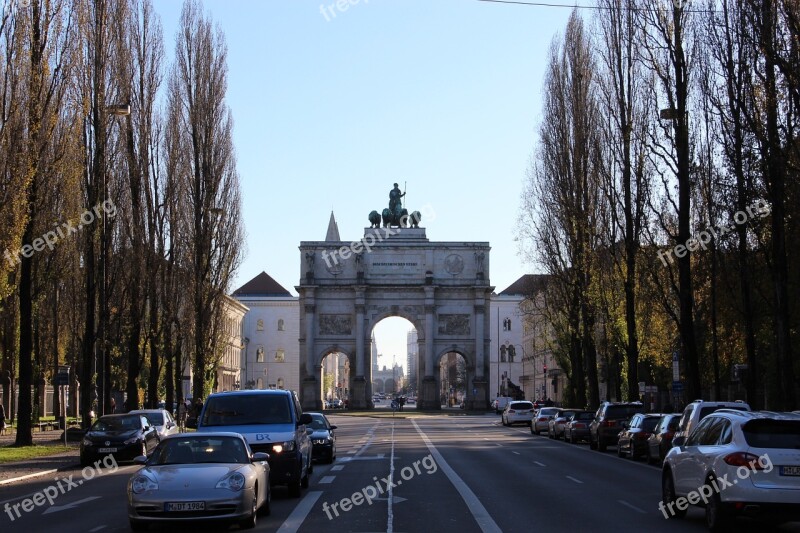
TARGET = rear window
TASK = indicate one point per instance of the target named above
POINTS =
(547, 411)
(585, 416)
(773, 434)
(157, 419)
(649, 424)
(246, 409)
(616, 412)
(521, 405)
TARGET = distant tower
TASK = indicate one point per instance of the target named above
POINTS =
(333, 230)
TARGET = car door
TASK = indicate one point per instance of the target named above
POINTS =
(301, 435)
(690, 469)
(627, 433)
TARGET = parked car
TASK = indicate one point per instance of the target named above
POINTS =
(632, 440)
(336, 403)
(746, 463)
(577, 426)
(555, 427)
(272, 422)
(660, 441)
(161, 419)
(200, 477)
(323, 438)
(517, 412)
(695, 411)
(607, 423)
(541, 419)
(122, 436)
(499, 404)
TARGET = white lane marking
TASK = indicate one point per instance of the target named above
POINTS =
(56, 508)
(98, 528)
(390, 517)
(540, 464)
(35, 474)
(353, 451)
(512, 451)
(474, 505)
(336, 468)
(327, 479)
(626, 504)
(295, 520)
(574, 479)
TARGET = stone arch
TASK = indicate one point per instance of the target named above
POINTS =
(318, 367)
(469, 363)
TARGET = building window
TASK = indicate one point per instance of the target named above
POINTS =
(281, 326)
(512, 352)
(260, 355)
(259, 325)
(280, 356)
(502, 354)
(506, 324)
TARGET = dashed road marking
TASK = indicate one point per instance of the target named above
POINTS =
(575, 480)
(327, 479)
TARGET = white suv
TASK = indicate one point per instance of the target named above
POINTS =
(735, 463)
(699, 409)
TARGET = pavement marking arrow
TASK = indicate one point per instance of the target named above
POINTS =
(56, 508)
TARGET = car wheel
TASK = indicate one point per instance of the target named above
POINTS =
(85, 461)
(250, 521)
(620, 453)
(304, 479)
(310, 466)
(136, 525)
(294, 486)
(592, 443)
(572, 438)
(650, 459)
(718, 518)
(532, 430)
(601, 444)
(266, 507)
(668, 496)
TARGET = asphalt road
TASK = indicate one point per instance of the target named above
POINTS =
(427, 473)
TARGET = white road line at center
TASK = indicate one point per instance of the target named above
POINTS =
(98, 528)
(515, 452)
(327, 479)
(575, 480)
(631, 506)
(390, 517)
(295, 520)
(479, 512)
(336, 468)
(540, 464)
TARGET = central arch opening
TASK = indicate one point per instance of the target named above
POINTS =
(336, 383)
(452, 380)
(394, 355)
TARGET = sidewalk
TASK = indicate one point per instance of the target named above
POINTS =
(39, 466)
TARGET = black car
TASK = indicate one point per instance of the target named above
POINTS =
(122, 436)
(633, 438)
(660, 441)
(323, 438)
(604, 429)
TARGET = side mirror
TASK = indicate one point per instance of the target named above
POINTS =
(305, 418)
(333, 427)
(259, 457)
(679, 441)
(140, 460)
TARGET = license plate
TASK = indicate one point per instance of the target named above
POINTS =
(185, 506)
(107, 450)
(790, 471)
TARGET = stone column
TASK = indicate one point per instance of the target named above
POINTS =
(359, 389)
(480, 387)
(430, 392)
(310, 383)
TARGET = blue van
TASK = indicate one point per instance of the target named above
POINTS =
(272, 422)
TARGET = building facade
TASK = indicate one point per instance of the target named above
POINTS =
(271, 355)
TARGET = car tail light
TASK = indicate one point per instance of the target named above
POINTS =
(542, 419)
(743, 459)
(578, 425)
(610, 423)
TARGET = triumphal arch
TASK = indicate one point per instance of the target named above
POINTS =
(347, 287)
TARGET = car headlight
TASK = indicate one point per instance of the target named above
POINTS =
(142, 483)
(287, 446)
(132, 440)
(87, 442)
(234, 482)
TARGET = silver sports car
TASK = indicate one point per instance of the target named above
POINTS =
(208, 476)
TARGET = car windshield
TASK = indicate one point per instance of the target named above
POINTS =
(200, 449)
(547, 411)
(156, 419)
(615, 412)
(317, 422)
(773, 434)
(705, 411)
(246, 409)
(584, 416)
(127, 423)
(521, 405)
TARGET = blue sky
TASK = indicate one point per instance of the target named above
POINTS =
(443, 95)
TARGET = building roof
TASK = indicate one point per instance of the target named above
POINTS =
(526, 285)
(261, 285)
